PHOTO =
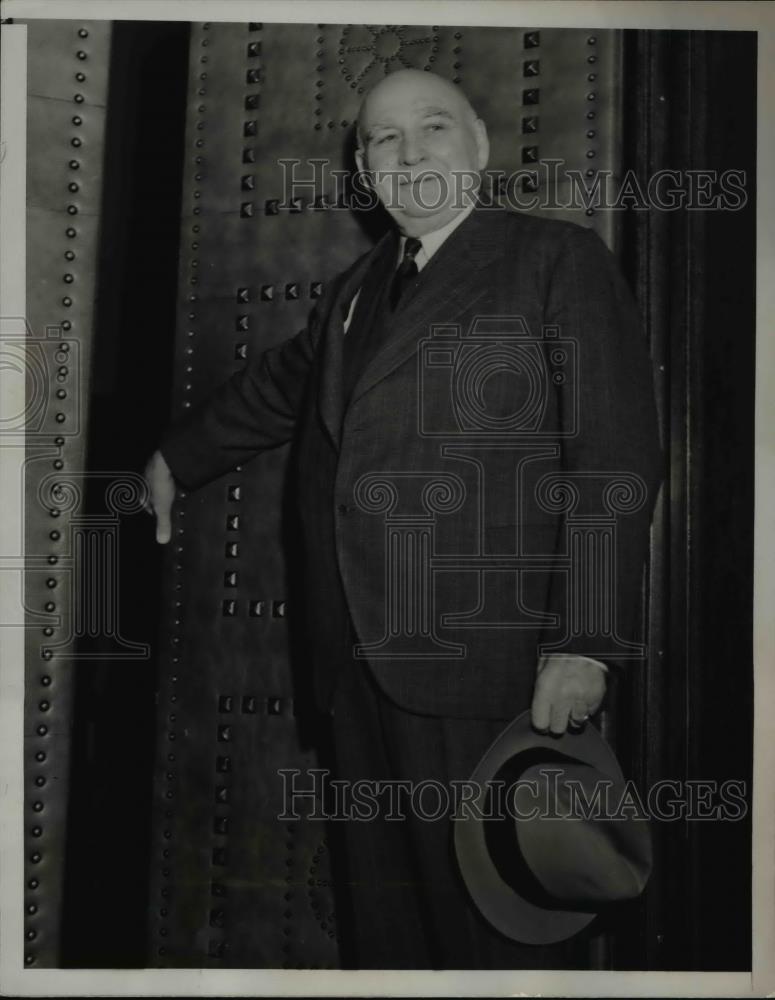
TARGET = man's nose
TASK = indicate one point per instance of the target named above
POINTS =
(411, 150)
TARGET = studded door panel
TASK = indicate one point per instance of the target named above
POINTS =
(66, 105)
(231, 884)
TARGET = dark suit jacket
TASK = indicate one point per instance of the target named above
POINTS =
(587, 409)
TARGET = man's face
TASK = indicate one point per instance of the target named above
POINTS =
(424, 146)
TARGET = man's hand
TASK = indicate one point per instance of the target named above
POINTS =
(568, 688)
(161, 494)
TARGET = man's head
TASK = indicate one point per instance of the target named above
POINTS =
(424, 146)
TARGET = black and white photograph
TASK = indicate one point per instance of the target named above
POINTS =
(387, 467)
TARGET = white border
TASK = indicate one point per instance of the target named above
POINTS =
(210, 982)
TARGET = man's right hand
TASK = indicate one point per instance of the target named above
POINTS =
(161, 494)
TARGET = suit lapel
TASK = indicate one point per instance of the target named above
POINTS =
(450, 284)
(330, 386)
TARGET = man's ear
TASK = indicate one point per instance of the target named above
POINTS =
(360, 159)
(482, 144)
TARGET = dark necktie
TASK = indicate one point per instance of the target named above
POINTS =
(407, 271)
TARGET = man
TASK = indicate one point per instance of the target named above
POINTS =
(419, 677)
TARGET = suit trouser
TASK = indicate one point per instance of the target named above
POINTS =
(408, 907)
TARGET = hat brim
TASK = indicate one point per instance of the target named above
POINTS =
(507, 911)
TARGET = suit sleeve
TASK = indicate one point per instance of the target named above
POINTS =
(254, 409)
(611, 433)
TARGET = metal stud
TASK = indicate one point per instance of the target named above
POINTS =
(530, 96)
(531, 68)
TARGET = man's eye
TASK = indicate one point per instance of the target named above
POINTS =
(435, 127)
(388, 137)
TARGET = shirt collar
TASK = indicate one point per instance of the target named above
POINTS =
(433, 240)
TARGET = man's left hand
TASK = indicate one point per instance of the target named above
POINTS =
(568, 689)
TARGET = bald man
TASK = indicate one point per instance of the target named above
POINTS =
(350, 392)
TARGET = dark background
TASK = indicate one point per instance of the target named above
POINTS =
(694, 276)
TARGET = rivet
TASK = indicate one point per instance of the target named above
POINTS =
(80, 77)
(41, 731)
(69, 255)
(75, 141)
(78, 98)
(77, 120)
(81, 55)
(40, 756)
(49, 606)
(45, 680)
(83, 33)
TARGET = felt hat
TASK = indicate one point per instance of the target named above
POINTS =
(551, 835)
